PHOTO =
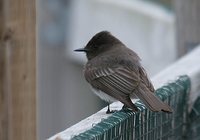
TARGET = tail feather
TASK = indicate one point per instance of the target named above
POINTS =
(151, 100)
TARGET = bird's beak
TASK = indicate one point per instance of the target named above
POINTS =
(81, 50)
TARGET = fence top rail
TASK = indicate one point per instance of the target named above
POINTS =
(188, 65)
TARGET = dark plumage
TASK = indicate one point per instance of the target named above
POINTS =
(115, 73)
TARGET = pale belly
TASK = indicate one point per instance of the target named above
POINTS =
(103, 95)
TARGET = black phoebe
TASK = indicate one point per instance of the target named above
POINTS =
(115, 73)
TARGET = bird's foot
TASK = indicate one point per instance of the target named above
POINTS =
(126, 108)
(110, 111)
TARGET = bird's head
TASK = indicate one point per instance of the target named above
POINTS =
(100, 43)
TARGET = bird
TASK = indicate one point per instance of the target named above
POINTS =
(115, 73)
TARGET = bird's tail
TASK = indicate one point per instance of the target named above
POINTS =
(151, 100)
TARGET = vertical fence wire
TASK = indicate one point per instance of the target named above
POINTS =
(194, 121)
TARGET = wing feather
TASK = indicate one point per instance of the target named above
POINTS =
(145, 80)
(118, 79)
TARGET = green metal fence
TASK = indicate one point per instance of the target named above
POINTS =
(194, 122)
(147, 125)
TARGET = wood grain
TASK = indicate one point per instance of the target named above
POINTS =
(3, 97)
(19, 43)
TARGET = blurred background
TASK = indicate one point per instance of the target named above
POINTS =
(64, 97)
(42, 87)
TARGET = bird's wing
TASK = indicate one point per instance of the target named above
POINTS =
(118, 79)
(145, 92)
(117, 82)
(121, 82)
(145, 80)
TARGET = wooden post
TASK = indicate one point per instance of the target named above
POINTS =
(187, 25)
(3, 96)
(19, 69)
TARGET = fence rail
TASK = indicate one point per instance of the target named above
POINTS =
(182, 124)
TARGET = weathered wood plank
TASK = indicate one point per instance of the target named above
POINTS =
(3, 96)
(19, 73)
